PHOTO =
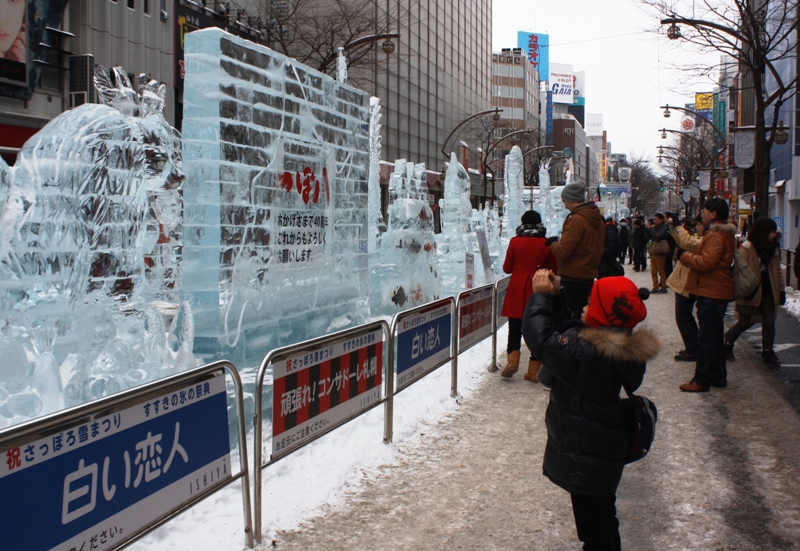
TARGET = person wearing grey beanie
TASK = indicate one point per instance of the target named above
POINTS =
(574, 193)
(580, 247)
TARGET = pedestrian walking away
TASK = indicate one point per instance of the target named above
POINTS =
(527, 252)
(639, 240)
(624, 240)
(580, 246)
(586, 362)
(711, 280)
(762, 253)
(609, 265)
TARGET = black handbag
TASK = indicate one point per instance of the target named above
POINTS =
(641, 415)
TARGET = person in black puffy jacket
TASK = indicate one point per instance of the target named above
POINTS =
(586, 362)
(609, 265)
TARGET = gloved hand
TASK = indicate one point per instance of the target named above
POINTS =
(782, 298)
(678, 253)
(550, 240)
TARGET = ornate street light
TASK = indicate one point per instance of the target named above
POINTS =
(674, 32)
(666, 112)
(781, 136)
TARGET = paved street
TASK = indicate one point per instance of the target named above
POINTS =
(723, 474)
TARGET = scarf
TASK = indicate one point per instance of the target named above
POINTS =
(532, 230)
(765, 255)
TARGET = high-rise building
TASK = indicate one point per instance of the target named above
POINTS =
(440, 75)
(515, 89)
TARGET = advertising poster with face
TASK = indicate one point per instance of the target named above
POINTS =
(14, 41)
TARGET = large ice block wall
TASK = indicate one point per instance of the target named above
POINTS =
(275, 227)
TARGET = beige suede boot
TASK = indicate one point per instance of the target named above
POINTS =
(512, 365)
(533, 371)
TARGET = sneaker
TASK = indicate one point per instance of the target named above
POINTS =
(729, 352)
(655, 290)
(770, 359)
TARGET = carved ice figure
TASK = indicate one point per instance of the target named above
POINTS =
(513, 203)
(78, 223)
(452, 242)
(406, 274)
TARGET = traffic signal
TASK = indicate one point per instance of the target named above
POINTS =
(661, 185)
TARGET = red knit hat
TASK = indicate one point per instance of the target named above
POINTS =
(616, 302)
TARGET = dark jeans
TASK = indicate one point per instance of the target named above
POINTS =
(684, 318)
(767, 312)
(711, 368)
(596, 521)
(639, 259)
(577, 292)
(668, 263)
(623, 249)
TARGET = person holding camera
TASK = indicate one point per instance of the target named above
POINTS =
(586, 362)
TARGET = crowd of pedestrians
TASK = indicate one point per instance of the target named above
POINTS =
(568, 298)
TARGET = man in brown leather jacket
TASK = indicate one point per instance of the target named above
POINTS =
(710, 279)
(580, 247)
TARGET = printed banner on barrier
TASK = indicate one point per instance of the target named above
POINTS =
(474, 317)
(502, 289)
(316, 390)
(99, 482)
(423, 341)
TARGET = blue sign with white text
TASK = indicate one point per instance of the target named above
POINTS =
(95, 484)
(423, 343)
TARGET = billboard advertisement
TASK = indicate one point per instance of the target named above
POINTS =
(704, 105)
(579, 88)
(14, 43)
(537, 47)
(594, 124)
(562, 81)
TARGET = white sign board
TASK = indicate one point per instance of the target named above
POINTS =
(561, 82)
(745, 150)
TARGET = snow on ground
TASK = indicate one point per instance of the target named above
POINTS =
(793, 302)
(296, 487)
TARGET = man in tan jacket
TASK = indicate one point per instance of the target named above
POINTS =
(580, 247)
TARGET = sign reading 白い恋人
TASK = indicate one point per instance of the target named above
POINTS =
(423, 341)
(99, 482)
(316, 390)
(474, 317)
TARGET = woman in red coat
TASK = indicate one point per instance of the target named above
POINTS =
(527, 253)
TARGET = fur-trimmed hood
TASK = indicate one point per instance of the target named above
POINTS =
(726, 227)
(640, 346)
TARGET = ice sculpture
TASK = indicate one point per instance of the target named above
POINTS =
(275, 231)
(376, 223)
(407, 271)
(452, 243)
(513, 203)
(78, 225)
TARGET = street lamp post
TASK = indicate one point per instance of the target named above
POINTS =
(711, 158)
(495, 119)
(387, 47)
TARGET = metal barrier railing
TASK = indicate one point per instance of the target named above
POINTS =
(104, 474)
(318, 385)
(789, 266)
(498, 320)
(313, 390)
(474, 315)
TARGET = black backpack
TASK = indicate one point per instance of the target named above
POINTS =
(624, 234)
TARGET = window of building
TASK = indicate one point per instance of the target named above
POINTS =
(131, 4)
(146, 6)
